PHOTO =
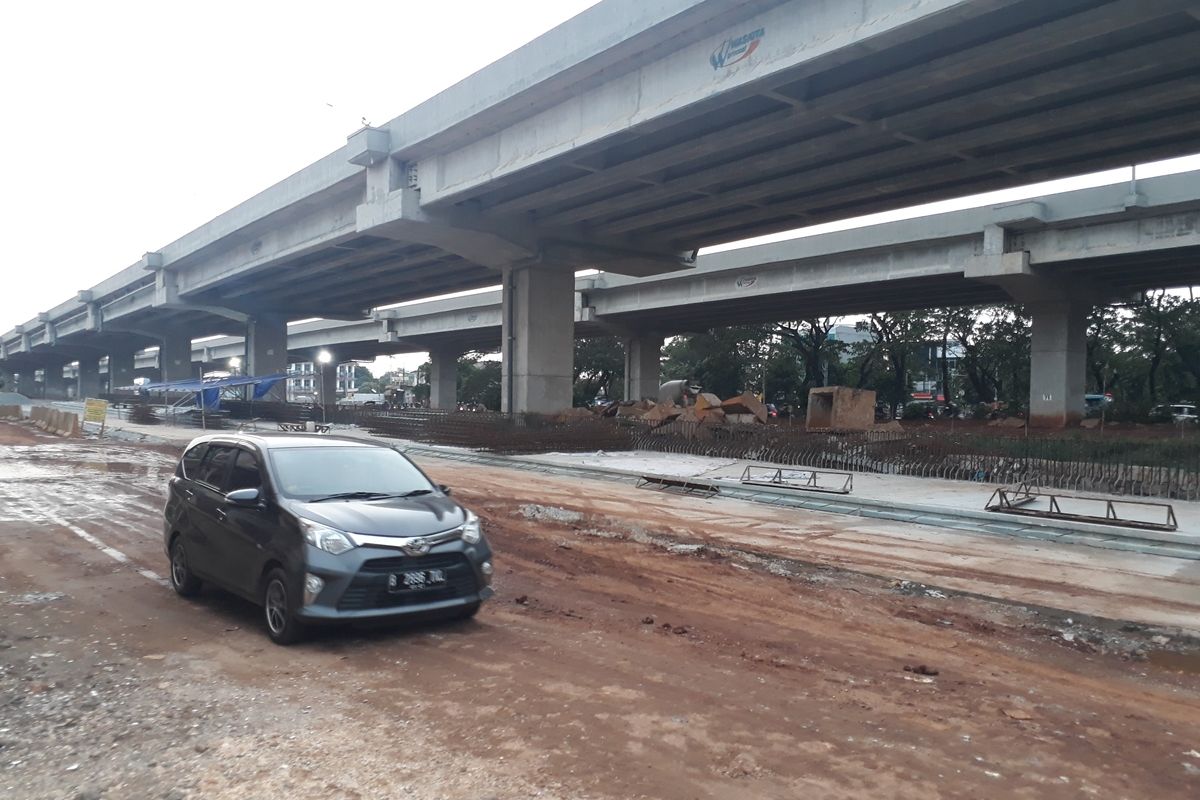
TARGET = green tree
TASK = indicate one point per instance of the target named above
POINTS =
(364, 380)
(886, 366)
(725, 361)
(599, 369)
(479, 381)
(1183, 333)
(816, 359)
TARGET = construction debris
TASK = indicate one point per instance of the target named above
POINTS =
(705, 402)
(745, 404)
(663, 412)
(840, 408)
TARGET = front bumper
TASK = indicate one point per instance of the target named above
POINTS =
(356, 583)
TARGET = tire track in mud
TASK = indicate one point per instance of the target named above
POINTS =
(68, 487)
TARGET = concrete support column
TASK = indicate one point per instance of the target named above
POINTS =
(443, 379)
(327, 381)
(266, 351)
(643, 355)
(27, 383)
(121, 370)
(175, 358)
(87, 378)
(1058, 362)
(539, 339)
(55, 383)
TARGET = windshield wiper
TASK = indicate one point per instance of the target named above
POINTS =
(351, 496)
(371, 495)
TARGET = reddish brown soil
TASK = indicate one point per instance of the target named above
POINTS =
(606, 667)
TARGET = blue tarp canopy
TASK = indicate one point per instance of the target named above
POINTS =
(208, 390)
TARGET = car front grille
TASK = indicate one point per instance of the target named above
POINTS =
(386, 566)
(369, 588)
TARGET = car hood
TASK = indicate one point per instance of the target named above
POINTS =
(411, 516)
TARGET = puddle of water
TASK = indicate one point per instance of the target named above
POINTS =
(28, 472)
(113, 466)
(1176, 662)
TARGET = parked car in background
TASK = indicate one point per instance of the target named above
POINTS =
(321, 529)
(1183, 413)
(918, 409)
(1096, 403)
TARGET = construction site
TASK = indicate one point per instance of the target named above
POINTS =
(668, 623)
(686, 400)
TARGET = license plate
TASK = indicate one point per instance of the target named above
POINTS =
(417, 579)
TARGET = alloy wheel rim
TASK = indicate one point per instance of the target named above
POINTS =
(276, 606)
(178, 566)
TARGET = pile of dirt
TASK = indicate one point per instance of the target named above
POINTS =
(13, 399)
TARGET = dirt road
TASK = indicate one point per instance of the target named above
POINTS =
(637, 648)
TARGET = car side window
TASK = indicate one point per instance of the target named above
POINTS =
(215, 465)
(190, 464)
(246, 474)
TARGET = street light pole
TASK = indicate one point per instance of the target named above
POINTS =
(323, 358)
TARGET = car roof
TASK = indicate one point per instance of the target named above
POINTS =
(278, 441)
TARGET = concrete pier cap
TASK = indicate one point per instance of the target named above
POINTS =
(1058, 336)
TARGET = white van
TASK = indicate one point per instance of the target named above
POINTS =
(363, 399)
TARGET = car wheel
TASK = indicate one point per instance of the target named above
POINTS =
(282, 625)
(183, 581)
(467, 612)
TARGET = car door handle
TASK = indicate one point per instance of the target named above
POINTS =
(221, 515)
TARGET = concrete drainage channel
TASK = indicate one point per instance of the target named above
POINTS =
(978, 522)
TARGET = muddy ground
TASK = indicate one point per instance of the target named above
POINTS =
(640, 646)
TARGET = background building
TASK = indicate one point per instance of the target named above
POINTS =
(304, 381)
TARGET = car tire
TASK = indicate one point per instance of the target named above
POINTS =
(467, 612)
(279, 610)
(183, 580)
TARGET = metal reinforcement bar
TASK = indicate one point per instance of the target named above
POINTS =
(975, 522)
(812, 480)
(1019, 499)
(1139, 466)
(681, 485)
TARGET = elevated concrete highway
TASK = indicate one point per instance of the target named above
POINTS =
(1107, 242)
(636, 133)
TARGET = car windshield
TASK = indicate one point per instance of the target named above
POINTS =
(312, 473)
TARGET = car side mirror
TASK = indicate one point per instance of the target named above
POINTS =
(243, 497)
(444, 488)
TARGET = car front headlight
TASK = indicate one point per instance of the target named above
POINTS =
(323, 537)
(472, 530)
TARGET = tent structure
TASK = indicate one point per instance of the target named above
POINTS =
(208, 390)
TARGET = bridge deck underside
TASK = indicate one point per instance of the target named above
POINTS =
(1014, 92)
(351, 276)
(1126, 274)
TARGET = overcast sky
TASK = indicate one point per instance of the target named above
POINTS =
(126, 124)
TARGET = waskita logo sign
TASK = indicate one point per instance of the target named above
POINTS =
(736, 49)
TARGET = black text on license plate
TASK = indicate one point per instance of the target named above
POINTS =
(417, 579)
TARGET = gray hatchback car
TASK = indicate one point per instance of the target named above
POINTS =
(321, 529)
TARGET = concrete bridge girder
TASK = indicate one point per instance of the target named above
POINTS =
(1044, 251)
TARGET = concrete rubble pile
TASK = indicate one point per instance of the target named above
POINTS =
(707, 411)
